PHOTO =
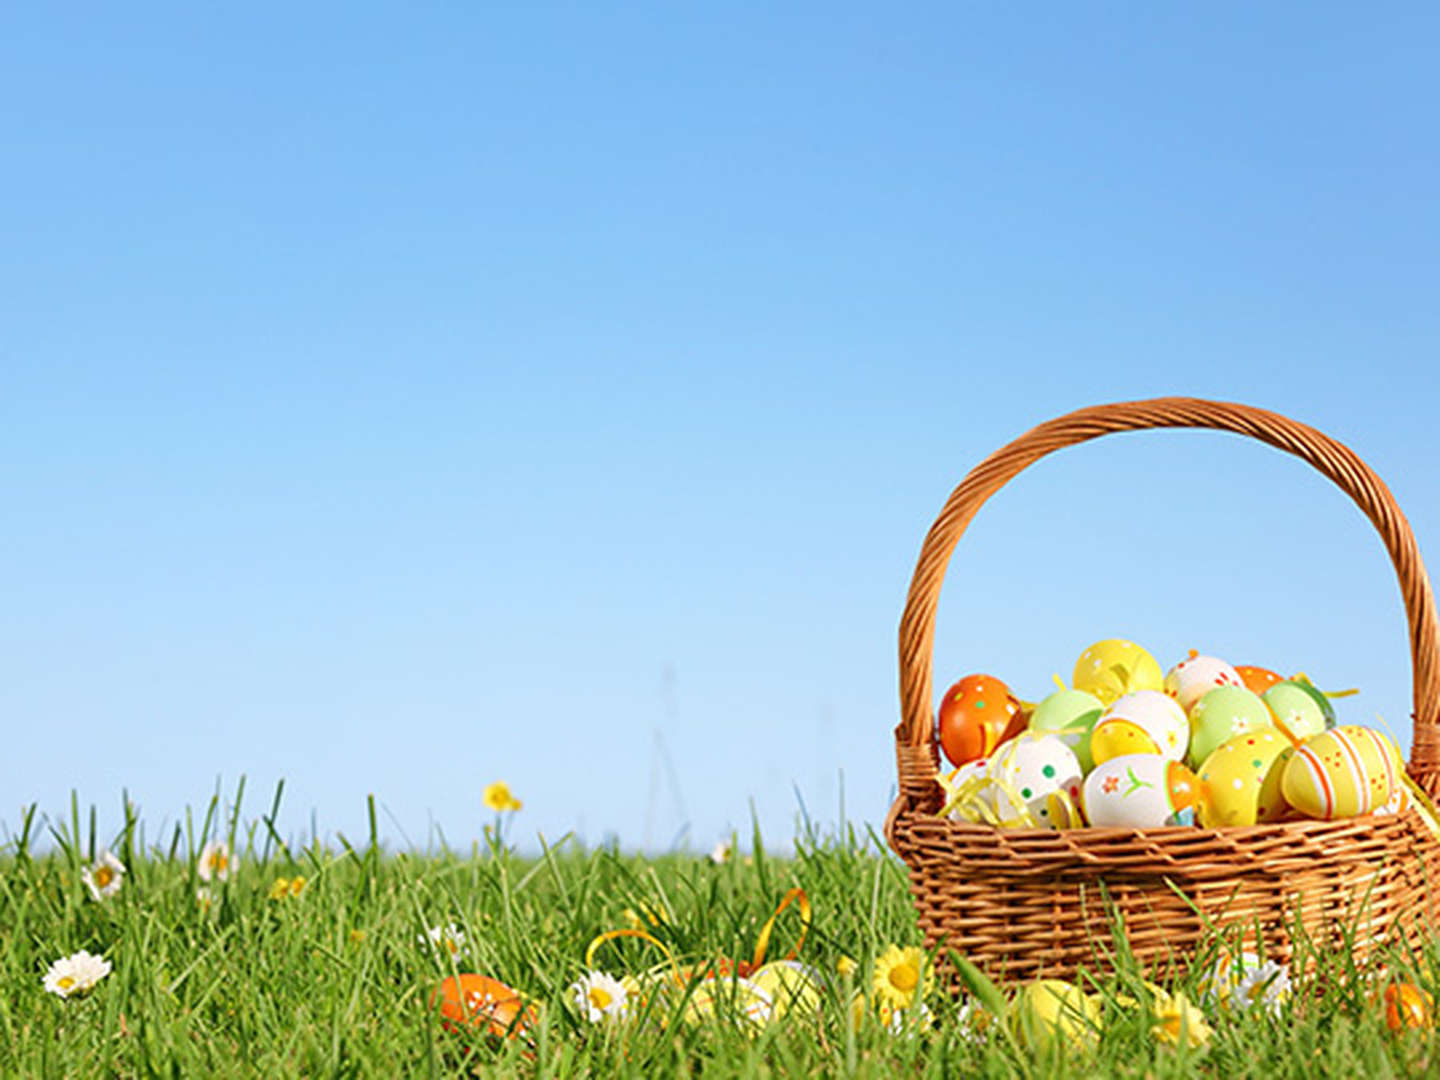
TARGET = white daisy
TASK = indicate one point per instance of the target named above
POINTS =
(448, 938)
(903, 1021)
(722, 851)
(73, 975)
(104, 877)
(600, 997)
(1265, 986)
(216, 862)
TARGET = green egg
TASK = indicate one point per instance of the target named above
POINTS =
(1223, 713)
(1294, 705)
(1070, 714)
(1316, 695)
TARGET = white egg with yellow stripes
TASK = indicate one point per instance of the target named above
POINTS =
(1341, 773)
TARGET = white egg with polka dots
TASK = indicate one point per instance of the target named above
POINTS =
(1037, 781)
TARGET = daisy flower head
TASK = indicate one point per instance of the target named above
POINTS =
(906, 1021)
(75, 975)
(104, 877)
(600, 997)
(497, 797)
(721, 852)
(1265, 986)
(448, 940)
(901, 975)
(216, 862)
(204, 898)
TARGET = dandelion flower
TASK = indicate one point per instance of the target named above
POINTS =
(498, 798)
(449, 939)
(280, 889)
(216, 862)
(845, 966)
(898, 976)
(721, 852)
(599, 997)
(297, 885)
(74, 975)
(105, 877)
(1176, 1019)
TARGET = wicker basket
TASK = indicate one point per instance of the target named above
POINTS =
(1026, 903)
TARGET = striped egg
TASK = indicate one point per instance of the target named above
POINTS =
(1342, 773)
(1145, 722)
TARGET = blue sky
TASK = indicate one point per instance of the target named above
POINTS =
(397, 400)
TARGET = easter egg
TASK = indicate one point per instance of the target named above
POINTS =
(1241, 779)
(1112, 668)
(1225, 712)
(790, 985)
(1318, 696)
(1139, 791)
(975, 716)
(1051, 1014)
(1256, 679)
(1296, 710)
(1407, 1006)
(737, 997)
(1026, 772)
(1145, 722)
(1342, 773)
(1070, 714)
(479, 1001)
(1190, 680)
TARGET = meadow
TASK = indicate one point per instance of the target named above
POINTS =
(231, 952)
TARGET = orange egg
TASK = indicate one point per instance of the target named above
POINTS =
(1406, 1006)
(977, 714)
(1257, 679)
(479, 1001)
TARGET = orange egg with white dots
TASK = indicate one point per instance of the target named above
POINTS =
(976, 715)
(478, 1001)
(1257, 679)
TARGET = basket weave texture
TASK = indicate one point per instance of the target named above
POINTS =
(1027, 903)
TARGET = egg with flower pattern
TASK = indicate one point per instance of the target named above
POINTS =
(1139, 791)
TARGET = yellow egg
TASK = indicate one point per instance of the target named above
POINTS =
(1116, 738)
(1052, 1012)
(1342, 773)
(1242, 779)
(790, 985)
(1112, 668)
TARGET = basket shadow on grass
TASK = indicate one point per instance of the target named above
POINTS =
(248, 986)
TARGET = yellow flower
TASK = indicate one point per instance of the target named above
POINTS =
(636, 919)
(1176, 1018)
(357, 936)
(286, 887)
(497, 797)
(845, 966)
(901, 975)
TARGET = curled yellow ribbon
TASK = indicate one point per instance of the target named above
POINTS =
(763, 941)
(611, 935)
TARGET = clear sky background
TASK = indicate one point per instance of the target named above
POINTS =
(398, 398)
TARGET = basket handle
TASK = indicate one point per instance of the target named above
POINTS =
(916, 743)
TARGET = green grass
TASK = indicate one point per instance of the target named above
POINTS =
(334, 981)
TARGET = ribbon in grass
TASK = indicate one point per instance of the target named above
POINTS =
(723, 966)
